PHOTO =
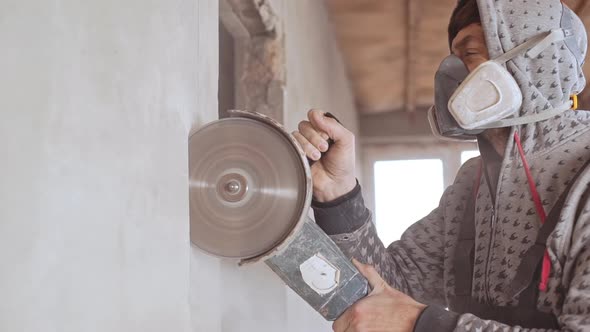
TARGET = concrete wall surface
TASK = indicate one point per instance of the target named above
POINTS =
(98, 100)
(316, 76)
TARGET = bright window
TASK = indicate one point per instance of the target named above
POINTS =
(468, 154)
(405, 191)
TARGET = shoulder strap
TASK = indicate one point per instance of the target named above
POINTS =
(526, 270)
(464, 252)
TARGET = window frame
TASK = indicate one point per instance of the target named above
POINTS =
(448, 152)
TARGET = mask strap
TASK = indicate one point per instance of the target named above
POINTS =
(534, 46)
(553, 37)
(528, 119)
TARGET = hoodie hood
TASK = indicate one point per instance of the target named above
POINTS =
(547, 80)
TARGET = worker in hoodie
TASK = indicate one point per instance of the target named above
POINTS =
(508, 247)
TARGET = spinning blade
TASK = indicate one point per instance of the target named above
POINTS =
(248, 187)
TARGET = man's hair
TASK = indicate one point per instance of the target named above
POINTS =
(466, 13)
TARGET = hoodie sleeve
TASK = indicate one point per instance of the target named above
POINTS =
(575, 310)
(413, 265)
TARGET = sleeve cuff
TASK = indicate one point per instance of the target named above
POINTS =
(435, 318)
(345, 214)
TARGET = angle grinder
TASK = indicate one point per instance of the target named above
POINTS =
(250, 193)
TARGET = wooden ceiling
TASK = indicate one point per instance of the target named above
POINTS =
(392, 48)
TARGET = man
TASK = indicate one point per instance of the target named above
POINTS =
(508, 248)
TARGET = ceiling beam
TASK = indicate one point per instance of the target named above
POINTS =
(393, 124)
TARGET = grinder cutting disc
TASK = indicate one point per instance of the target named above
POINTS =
(249, 186)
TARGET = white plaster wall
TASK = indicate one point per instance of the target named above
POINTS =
(97, 98)
(316, 75)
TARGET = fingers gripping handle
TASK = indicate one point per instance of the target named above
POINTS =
(330, 140)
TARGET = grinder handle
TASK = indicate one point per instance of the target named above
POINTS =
(330, 140)
(296, 264)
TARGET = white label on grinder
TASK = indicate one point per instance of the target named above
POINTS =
(319, 274)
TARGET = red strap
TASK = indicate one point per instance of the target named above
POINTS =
(533, 188)
(546, 268)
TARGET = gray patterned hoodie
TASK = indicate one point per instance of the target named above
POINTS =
(421, 262)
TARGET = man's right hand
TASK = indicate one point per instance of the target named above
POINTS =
(333, 173)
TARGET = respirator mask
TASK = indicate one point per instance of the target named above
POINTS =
(468, 103)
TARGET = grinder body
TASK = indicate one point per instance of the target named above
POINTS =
(250, 193)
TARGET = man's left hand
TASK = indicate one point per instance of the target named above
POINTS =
(383, 310)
